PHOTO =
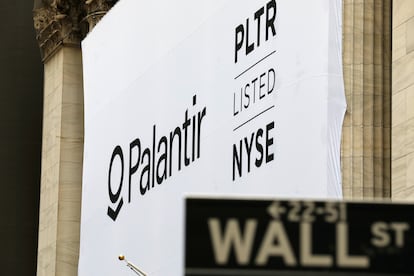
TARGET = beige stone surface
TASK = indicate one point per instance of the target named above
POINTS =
(62, 154)
(402, 157)
(409, 34)
(366, 135)
(402, 73)
(403, 10)
(399, 101)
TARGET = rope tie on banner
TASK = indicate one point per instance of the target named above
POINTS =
(132, 266)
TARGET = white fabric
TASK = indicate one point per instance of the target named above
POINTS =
(144, 62)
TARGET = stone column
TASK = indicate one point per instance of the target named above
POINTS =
(403, 100)
(60, 25)
(365, 153)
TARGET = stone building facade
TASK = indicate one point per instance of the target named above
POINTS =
(402, 156)
(60, 26)
(378, 132)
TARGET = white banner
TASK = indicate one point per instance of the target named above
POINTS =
(234, 98)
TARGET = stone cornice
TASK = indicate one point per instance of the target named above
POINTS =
(66, 22)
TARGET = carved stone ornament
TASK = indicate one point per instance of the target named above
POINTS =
(65, 22)
(95, 10)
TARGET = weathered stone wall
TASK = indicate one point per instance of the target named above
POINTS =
(60, 25)
(365, 153)
(403, 100)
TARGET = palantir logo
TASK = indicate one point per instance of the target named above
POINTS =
(116, 199)
(151, 165)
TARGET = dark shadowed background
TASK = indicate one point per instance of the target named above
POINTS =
(21, 101)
